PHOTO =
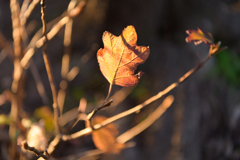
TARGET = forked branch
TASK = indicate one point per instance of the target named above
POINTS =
(137, 108)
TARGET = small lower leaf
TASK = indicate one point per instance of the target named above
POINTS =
(105, 138)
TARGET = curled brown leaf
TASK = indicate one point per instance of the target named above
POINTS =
(105, 138)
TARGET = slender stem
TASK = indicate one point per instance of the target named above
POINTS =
(109, 93)
(49, 70)
(104, 105)
(90, 115)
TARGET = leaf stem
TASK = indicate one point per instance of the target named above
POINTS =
(104, 105)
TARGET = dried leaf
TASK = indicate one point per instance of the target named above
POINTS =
(198, 36)
(121, 56)
(105, 138)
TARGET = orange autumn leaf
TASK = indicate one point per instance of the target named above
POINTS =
(105, 138)
(198, 36)
(120, 57)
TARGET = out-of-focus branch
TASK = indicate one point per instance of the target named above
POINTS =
(104, 105)
(83, 60)
(25, 146)
(66, 58)
(49, 70)
(30, 52)
(39, 83)
(18, 78)
(167, 102)
(29, 10)
(5, 97)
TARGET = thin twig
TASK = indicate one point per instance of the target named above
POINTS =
(5, 97)
(90, 115)
(66, 58)
(49, 70)
(30, 52)
(126, 136)
(53, 145)
(119, 96)
(104, 105)
(29, 10)
(83, 60)
(25, 145)
(140, 106)
(23, 8)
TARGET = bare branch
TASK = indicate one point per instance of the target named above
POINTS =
(50, 35)
(49, 69)
(84, 59)
(66, 57)
(140, 106)
(104, 105)
(38, 82)
(123, 138)
(25, 146)
(28, 12)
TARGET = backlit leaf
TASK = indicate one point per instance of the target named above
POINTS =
(198, 36)
(120, 57)
(105, 138)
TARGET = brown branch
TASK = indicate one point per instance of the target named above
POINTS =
(49, 70)
(31, 50)
(5, 45)
(38, 81)
(84, 59)
(8, 48)
(140, 106)
(104, 105)
(28, 12)
(5, 97)
(18, 78)
(25, 146)
(53, 144)
(167, 102)
(66, 58)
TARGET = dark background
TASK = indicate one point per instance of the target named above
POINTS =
(204, 120)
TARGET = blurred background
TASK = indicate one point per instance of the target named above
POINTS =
(204, 120)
